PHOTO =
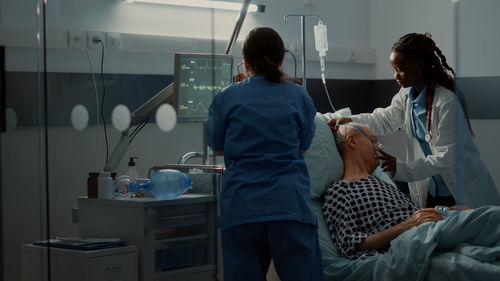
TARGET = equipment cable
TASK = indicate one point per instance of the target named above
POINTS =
(138, 129)
(97, 105)
(103, 97)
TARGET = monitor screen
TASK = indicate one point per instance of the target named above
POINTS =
(197, 79)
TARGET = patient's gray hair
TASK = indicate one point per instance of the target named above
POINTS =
(341, 133)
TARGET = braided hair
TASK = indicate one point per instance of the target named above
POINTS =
(436, 70)
(263, 50)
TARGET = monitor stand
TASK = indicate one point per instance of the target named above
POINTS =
(206, 154)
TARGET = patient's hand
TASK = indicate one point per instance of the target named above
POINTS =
(382, 240)
(335, 121)
(421, 216)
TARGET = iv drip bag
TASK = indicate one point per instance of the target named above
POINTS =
(321, 38)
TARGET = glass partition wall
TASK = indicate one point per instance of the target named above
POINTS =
(77, 76)
(119, 56)
(24, 137)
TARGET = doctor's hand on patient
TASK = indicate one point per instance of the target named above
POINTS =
(388, 161)
(335, 121)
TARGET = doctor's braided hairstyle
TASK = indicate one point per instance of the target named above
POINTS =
(264, 50)
(436, 70)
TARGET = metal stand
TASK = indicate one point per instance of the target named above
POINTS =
(303, 40)
(206, 154)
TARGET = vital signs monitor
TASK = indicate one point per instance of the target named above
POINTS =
(197, 79)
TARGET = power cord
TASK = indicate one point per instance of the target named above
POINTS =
(96, 41)
(97, 106)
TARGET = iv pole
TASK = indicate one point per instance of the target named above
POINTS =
(303, 40)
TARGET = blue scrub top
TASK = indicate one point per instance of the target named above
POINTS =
(262, 127)
(436, 186)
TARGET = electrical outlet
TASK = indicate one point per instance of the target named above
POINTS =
(113, 41)
(76, 39)
(95, 37)
(351, 56)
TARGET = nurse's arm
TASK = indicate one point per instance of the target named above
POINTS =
(384, 121)
(382, 240)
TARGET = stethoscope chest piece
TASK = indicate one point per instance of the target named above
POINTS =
(428, 137)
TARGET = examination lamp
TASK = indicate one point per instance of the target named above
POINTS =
(221, 5)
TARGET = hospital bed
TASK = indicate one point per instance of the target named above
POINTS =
(465, 246)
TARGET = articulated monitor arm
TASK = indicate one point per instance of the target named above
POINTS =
(149, 108)
(142, 113)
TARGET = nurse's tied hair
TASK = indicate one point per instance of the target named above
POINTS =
(264, 50)
(436, 70)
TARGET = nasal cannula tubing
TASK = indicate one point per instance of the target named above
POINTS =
(321, 40)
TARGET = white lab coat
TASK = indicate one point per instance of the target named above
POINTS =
(454, 154)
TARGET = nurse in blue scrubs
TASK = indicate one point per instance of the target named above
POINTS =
(263, 125)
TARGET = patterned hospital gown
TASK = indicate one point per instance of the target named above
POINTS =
(355, 210)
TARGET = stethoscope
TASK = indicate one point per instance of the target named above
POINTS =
(428, 116)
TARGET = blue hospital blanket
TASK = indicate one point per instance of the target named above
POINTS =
(465, 246)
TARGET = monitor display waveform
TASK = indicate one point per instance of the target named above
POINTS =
(198, 78)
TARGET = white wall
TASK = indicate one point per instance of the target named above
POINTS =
(478, 38)
(476, 29)
(391, 19)
(147, 29)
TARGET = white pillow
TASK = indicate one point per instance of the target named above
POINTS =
(323, 160)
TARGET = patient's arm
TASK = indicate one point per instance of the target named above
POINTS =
(382, 240)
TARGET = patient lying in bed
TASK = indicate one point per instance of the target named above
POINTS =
(363, 213)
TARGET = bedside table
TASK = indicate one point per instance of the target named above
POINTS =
(118, 263)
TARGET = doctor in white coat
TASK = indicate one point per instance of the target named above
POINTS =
(443, 165)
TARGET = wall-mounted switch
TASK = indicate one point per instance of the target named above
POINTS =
(352, 56)
(76, 39)
(113, 41)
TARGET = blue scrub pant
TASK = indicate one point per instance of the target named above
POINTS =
(247, 250)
